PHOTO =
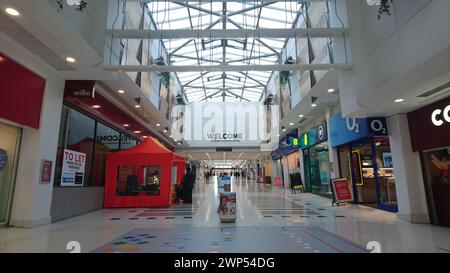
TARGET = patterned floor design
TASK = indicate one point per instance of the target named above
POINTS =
(231, 240)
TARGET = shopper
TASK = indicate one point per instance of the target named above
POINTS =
(187, 186)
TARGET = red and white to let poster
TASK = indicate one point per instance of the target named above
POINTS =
(341, 190)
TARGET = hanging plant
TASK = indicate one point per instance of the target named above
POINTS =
(385, 8)
(165, 76)
(81, 4)
(284, 77)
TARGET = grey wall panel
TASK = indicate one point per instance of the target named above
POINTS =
(70, 202)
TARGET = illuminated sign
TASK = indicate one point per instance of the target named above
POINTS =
(439, 114)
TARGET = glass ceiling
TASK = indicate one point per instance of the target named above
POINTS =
(220, 86)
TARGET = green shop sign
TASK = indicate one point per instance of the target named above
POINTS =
(313, 136)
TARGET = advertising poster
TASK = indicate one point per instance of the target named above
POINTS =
(73, 169)
(46, 171)
(341, 190)
(227, 206)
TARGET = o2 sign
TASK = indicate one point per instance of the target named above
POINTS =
(439, 115)
(374, 126)
(377, 126)
(352, 124)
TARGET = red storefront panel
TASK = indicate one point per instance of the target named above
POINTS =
(21, 93)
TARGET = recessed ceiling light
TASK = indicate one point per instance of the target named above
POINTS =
(126, 125)
(331, 90)
(165, 131)
(145, 136)
(300, 116)
(137, 132)
(121, 91)
(399, 100)
(137, 106)
(96, 106)
(12, 12)
(171, 136)
(284, 129)
(157, 124)
(291, 123)
(313, 105)
(70, 60)
(278, 135)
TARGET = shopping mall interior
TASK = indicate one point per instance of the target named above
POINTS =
(311, 126)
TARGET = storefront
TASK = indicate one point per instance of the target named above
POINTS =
(91, 128)
(365, 160)
(314, 145)
(21, 98)
(287, 158)
(430, 136)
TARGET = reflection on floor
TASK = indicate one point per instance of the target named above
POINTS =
(272, 219)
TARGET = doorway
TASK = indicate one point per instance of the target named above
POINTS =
(9, 147)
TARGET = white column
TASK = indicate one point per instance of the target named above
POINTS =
(409, 182)
(32, 200)
(332, 153)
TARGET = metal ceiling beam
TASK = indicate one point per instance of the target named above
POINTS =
(225, 68)
(226, 33)
(253, 58)
(221, 1)
(181, 46)
(250, 8)
(195, 58)
(196, 8)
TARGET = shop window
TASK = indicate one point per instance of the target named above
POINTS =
(138, 181)
(107, 141)
(436, 166)
(80, 138)
(127, 142)
(386, 177)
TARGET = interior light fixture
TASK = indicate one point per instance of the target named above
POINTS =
(157, 124)
(399, 100)
(300, 116)
(70, 60)
(313, 105)
(126, 125)
(121, 91)
(291, 124)
(95, 106)
(138, 102)
(331, 90)
(137, 132)
(145, 137)
(12, 12)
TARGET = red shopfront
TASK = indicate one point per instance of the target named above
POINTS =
(21, 100)
(430, 136)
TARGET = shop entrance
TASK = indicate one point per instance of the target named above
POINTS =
(9, 145)
(367, 164)
(436, 164)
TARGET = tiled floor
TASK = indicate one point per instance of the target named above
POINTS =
(263, 211)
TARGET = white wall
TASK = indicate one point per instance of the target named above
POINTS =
(31, 200)
(391, 56)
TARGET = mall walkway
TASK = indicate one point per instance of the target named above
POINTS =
(268, 220)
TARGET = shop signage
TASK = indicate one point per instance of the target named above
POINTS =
(345, 130)
(79, 89)
(429, 127)
(225, 137)
(438, 119)
(3, 159)
(341, 190)
(73, 169)
(292, 140)
(314, 136)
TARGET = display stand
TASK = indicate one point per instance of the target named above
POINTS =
(342, 194)
(227, 201)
